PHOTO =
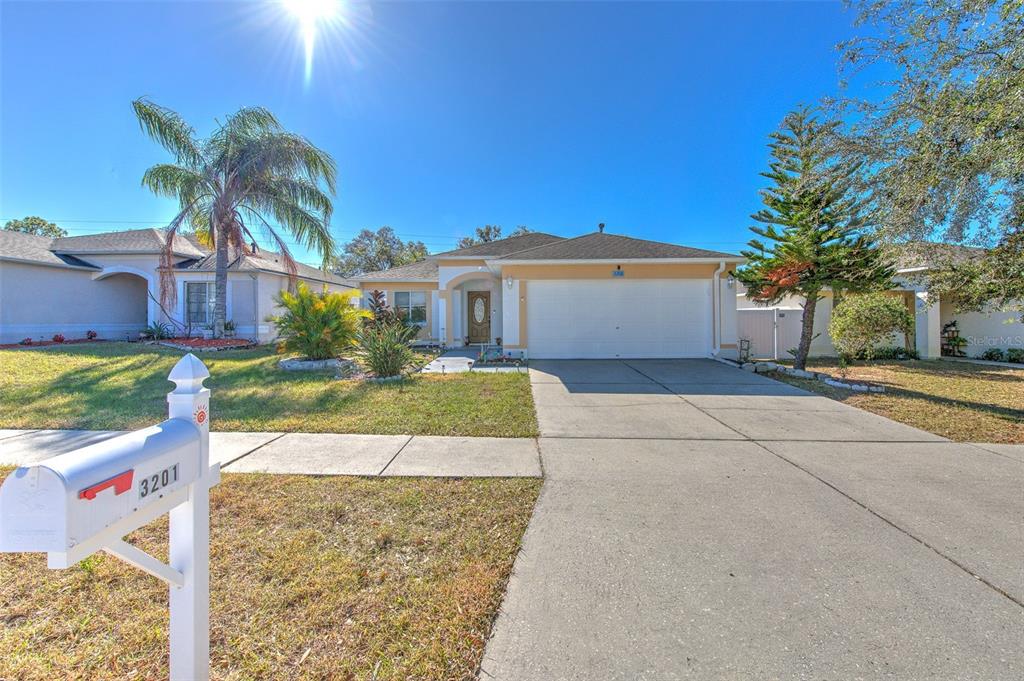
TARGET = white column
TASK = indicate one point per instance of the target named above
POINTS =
(927, 325)
(442, 304)
(190, 532)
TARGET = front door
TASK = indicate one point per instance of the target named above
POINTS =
(479, 316)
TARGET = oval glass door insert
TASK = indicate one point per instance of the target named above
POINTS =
(478, 311)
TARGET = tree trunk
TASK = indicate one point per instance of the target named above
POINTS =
(806, 332)
(220, 305)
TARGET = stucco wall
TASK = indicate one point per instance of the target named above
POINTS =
(985, 330)
(429, 331)
(248, 312)
(38, 302)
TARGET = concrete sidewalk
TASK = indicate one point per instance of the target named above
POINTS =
(317, 453)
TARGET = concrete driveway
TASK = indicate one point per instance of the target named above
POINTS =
(698, 521)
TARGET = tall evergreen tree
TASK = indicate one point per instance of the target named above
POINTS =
(816, 224)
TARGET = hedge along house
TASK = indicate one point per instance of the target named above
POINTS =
(595, 296)
(110, 283)
(773, 330)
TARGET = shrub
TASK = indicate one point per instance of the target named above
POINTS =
(381, 312)
(889, 352)
(993, 355)
(385, 348)
(25, 341)
(317, 325)
(158, 331)
(862, 322)
(1015, 355)
(58, 338)
(91, 335)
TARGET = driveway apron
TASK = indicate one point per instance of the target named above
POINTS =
(698, 521)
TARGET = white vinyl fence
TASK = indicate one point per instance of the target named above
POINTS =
(771, 331)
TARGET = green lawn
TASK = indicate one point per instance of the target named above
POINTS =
(958, 400)
(313, 578)
(121, 386)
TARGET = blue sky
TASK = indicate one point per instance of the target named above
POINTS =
(651, 118)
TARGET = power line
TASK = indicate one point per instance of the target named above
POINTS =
(427, 239)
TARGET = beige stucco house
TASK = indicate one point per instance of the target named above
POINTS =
(595, 296)
(110, 283)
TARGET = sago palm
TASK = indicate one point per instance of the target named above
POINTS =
(248, 173)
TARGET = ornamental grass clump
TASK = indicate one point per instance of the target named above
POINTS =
(385, 341)
(317, 326)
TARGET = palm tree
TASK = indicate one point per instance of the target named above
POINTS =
(247, 172)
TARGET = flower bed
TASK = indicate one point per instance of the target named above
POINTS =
(206, 344)
(49, 343)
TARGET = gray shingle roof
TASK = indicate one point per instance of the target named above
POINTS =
(34, 249)
(604, 246)
(424, 269)
(494, 249)
(263, 261)
(148, 240)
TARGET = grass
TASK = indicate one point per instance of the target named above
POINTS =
(314, 578)
(121, 386)
(961, 401)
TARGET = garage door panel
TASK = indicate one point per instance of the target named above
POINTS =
(618, 318)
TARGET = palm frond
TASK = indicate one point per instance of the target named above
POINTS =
(169, 179)
(169, 130)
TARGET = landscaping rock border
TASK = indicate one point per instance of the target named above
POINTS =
(768, 367)
(299, 364)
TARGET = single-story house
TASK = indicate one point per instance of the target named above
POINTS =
(595, 296)
(110, 283)
(773, 330)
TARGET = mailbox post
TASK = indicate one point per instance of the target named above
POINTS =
(73, 505)
(189, 550)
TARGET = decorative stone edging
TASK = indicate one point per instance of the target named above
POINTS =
(385, 379)
(299, 364)
(768, 367)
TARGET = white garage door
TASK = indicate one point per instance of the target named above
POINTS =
(600, 318)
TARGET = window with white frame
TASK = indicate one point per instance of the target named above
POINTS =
(412, 306)
(200, 297)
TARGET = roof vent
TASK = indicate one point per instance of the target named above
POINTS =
(600, 227)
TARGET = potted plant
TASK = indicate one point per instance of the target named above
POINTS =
(229, 329)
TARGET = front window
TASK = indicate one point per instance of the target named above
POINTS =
(412, 306)
(199, 301)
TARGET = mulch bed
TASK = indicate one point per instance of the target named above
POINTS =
(182, 343)
(48, 343)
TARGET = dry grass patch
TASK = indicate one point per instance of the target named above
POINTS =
(314, 578)
(958, 400)
(121, 386)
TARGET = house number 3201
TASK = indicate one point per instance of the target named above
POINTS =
(159, 480)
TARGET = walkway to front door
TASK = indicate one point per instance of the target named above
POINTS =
(478, 309)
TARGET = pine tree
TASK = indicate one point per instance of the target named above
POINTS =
(816, 223)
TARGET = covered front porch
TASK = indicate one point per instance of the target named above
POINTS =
(470, 309)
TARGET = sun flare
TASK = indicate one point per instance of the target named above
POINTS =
(313, 16)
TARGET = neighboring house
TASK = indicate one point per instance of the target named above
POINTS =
(773, 330)
(594, 296)
(110, 283)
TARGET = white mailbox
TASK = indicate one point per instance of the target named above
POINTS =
(57, 504)
(73, 505)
